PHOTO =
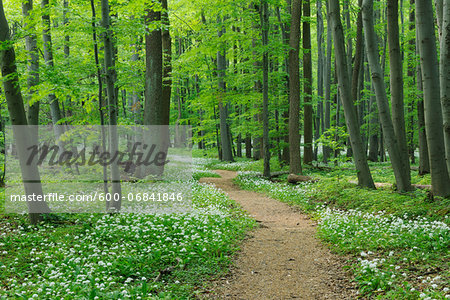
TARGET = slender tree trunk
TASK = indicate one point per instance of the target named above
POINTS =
(439, 16)
(411, 74)
(265, 65)
(364, 176)
(295, 164)
(101, 107)
(167, 60)
(307, 85)
(346, 8)
(424, 158)
(11, 87)
(327, 83)
(400, 171)
(248, 146)
(285, 114)
(431, 88)
(358, 55)
(227, 154)
(396, 80)
(32, 64)
(320, 122)
(374, 129)
(445, 78)
(113, 206)
(48, 57)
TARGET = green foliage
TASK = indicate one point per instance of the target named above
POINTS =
(121, 255)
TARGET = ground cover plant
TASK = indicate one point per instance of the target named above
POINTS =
(121, 256)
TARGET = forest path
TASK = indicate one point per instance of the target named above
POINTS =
(282, 258)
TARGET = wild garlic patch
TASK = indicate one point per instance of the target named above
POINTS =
(122, 255)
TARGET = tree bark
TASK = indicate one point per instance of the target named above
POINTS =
(307, 85)
(265, 64)
(55, 110)
(295, 164)
(167, 60)
(364, 176)
(32, 64)
(431, 88)
(327, 83)
(396, 81)
(11, 87)
(227, 154)
(400, 171)
(113, 206)
(445, 78)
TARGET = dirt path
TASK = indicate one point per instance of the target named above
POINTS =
(282, 259)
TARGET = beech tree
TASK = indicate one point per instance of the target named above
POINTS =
(401, 172)
(112, 106)
(431, 95)
(16, 109)
(445, 77)
(359, 154)
(295, 164)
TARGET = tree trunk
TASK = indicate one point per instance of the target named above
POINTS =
(327, 83)
(307, 85)
(396, 81)
(113, 206)
(11, 87)
(265, 65)
(167, 60)
(32, 64)
(440, 16)
(445, 78)
(364, 176)
(374, 129)
(431, 88)
(295, 164)
(248, 146)
(400, 171)
(101, 107)
(55, 110)
(227, 154)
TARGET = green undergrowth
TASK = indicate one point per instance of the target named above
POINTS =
(398, 243)
(244, 164)
(121, 256)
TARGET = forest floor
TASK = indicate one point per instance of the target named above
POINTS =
(282, 258)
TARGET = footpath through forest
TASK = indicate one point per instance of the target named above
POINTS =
(282, 258)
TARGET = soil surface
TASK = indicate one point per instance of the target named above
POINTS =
(282, 258)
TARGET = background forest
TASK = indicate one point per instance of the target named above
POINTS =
(345, 92)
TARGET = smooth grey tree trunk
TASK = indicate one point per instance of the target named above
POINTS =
(327, 83)
(167, 61)
(55, 110)
(363, 171)
(17, 114)
(265, 64)
(374, 129)
(401, 173)
(445, 78)
(113, 206)
(295, 163)
(320, 120)
(100, 92)
(431, 89)
(307, 86)
(396, 85)
(32, 63)
(227, 154)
